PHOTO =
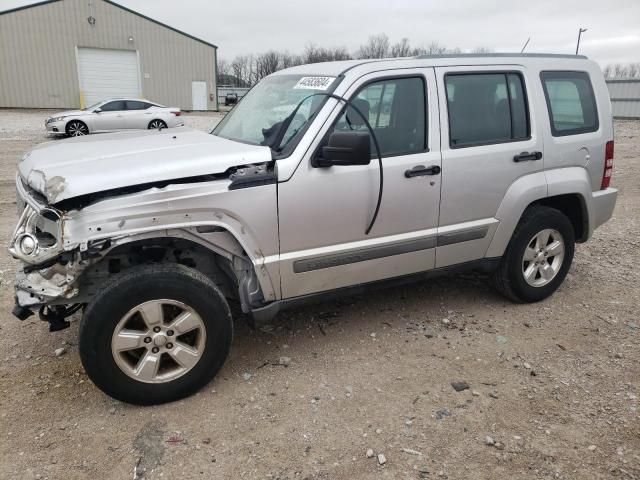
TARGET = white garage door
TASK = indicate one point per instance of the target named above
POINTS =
(107, 74)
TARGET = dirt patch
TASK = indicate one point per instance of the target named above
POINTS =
(552, 387)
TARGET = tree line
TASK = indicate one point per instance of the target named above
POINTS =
(247, 70)
(622, 70)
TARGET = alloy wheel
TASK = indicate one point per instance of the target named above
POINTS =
(158, 341)
(543, 257)
(77, 129)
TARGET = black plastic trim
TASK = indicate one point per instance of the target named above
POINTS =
(387, 250)
(362, 255)
(464, 236)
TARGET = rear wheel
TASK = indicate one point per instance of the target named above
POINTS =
(538, 257)
(76, 128)
(155, 333)
(157, 124)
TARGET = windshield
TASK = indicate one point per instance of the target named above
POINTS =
(95, 105)
(271, 101)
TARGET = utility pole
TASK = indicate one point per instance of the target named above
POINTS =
(580, 32)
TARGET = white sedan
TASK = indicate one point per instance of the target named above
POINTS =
(114, 114)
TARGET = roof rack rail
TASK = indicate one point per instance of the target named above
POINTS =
(489, 55)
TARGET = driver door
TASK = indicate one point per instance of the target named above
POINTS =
(111, 116)
(324, 212)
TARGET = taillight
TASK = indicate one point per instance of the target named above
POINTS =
(177, 114)
(608, 165)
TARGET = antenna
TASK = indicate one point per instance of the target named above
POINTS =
(525, 45)
(580, 32)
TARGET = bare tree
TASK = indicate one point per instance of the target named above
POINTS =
(266, 64)
(619, 70)
(482, 50)
(315, 54)
(607, 71)
(224, 71)
(376, 47)
(401, 49)
(633, 70)
(434, 48)
(289, 60)
(241, 67)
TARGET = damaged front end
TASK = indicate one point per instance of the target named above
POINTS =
(48, 273)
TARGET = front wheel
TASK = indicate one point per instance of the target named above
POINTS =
(155, 334)
(157, 125)
(538, 257)
(76, 128)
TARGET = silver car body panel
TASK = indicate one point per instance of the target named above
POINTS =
(305, 235)
(67, 169)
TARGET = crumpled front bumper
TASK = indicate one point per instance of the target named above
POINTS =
(41, 287)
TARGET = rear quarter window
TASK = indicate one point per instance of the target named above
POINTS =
(571, 102)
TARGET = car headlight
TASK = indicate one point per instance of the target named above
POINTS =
(28, 244)
(55, 119)
(38, 236)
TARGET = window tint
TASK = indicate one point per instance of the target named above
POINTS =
(395, 108)
(114, 106)
(136, 105)
(570, 102)
(486, 108)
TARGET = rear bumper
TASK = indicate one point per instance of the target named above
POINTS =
(604, 202)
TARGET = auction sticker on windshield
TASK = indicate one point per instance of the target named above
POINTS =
(315, 83)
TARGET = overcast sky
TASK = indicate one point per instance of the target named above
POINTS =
(253, 26)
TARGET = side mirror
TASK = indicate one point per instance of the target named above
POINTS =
(97, 110)
(346, 148)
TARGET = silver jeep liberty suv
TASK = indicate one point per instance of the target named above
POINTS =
(325, 178)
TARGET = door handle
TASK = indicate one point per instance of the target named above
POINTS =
(527, 157)
(421, 170)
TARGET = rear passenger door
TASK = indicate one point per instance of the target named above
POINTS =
(489, 140)
(136, 115)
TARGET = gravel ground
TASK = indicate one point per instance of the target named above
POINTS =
(553, 387)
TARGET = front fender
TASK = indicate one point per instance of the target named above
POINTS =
(249, 215)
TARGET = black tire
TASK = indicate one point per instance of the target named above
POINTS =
(508, 277)
(76, 128)
(156, 124)
(138, 285)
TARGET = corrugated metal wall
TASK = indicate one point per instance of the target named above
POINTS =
(625, 98)
(38, 65)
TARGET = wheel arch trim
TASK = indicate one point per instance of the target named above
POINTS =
(528, 189)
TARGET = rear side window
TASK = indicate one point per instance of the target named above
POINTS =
(486, 108)
(570, 102)
(137, 105)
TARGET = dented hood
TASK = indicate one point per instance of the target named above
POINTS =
(78, 166)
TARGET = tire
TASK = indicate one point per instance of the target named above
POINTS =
(76, 128)
(174, 287)
(156, 124)
(521, 280)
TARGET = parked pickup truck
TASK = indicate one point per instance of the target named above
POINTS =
(325, 179)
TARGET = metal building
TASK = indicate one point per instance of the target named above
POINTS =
(625, 98)
(72, 53)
